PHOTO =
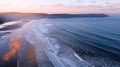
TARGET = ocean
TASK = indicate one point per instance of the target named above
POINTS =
(97, 40)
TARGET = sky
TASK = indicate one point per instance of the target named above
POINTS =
(61, 6)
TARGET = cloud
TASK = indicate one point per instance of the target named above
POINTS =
(58, 5)
(2, 5)
(76, 6)
(73, 9)
(78, 0)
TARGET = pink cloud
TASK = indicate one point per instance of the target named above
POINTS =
(58, 5)
(80, 9)
(78, 0)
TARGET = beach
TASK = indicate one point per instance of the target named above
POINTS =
(59, 42)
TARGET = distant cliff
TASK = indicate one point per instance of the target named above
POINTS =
(75, 15)
(51, 15)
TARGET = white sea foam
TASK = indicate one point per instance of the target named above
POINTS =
(36, 35)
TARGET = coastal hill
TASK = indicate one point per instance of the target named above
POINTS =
(9, 16)
(4, 19)
(52, 15)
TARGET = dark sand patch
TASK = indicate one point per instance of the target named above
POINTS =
(10, 63)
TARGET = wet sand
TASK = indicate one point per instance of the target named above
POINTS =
(26, 57)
